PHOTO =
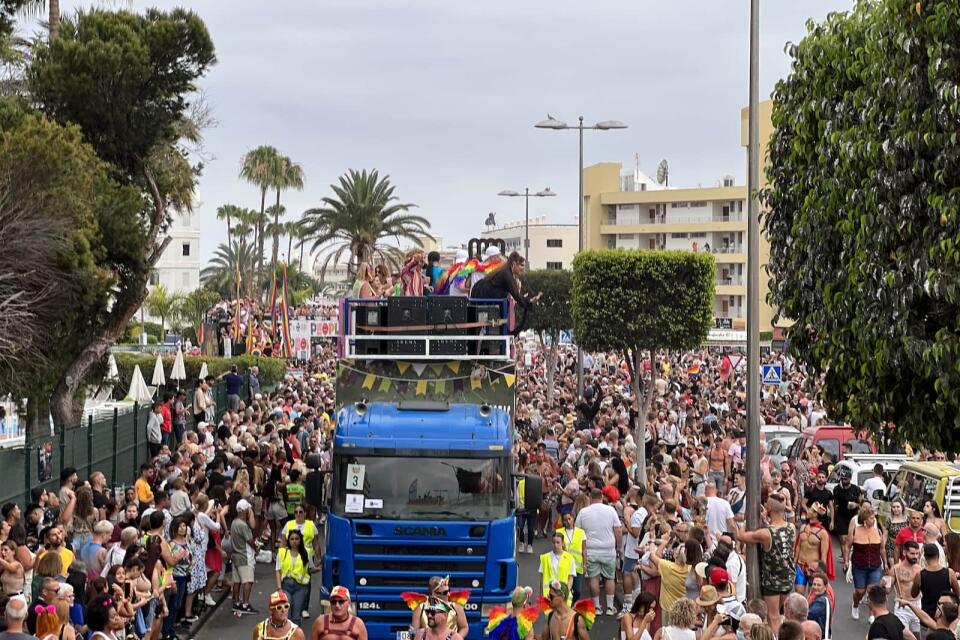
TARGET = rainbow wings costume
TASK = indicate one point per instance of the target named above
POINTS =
(414, 599)
(503, 626)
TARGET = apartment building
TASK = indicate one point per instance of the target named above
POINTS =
(552, 246)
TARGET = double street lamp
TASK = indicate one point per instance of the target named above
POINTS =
(526, 195)
(605, 125)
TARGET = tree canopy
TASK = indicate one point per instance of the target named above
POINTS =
(551, 315)
(864, 214)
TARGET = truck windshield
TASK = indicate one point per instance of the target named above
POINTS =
(404, 488)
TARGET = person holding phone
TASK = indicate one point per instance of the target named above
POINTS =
(637, 623)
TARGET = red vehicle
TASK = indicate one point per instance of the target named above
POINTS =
(832, 438)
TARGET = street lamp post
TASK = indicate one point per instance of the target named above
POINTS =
(526, 195)
(558, 125)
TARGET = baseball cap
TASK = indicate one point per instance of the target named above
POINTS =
(339, 592)
(243, 505)
(719, 575)
(701, 570)
(492, 250)
(277, 597)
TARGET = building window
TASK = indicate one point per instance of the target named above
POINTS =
(185, 219)
(186, 248)
(555, 242)
(154, 278)
(556, 266)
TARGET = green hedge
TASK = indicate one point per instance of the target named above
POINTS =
(272, 370)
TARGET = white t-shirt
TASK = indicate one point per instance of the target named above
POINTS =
(872, 484)
(718, 510)
(555, 563)
(630, 544)
(598, 522)
(736, 569)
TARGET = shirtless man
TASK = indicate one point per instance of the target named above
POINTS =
(719, 461)
(437, 628)
(278, 626)
(903, 575)
(813, 547)
(339, 624)
(560, 622)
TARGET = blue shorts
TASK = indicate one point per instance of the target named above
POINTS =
(863, 577)
(629, 564)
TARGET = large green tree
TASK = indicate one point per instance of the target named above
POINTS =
(552, 314)
(633, 301)
(360, 219)
(220, 274)
(864, 214)
(61, 228)
(126, 81)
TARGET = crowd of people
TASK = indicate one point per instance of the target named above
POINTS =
(674, 545)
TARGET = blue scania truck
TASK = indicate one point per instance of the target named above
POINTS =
(422, 478)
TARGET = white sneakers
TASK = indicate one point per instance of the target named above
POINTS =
(855, 612)
(209, 601)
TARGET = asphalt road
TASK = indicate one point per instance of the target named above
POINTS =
(222, 624)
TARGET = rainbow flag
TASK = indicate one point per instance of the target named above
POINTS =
(474, 266)
(285, 324)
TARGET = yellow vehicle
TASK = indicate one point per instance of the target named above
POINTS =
(917, 482)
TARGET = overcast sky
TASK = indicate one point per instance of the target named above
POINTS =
(442, 95)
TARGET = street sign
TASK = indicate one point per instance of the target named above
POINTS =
(771, 373)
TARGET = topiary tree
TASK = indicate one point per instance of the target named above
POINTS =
(864, 214)
(635, 301)
(551, 315)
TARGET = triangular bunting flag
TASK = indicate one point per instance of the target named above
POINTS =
(385, 384)
(402, 387)
(402, 367)
(458, 385)
(475, 383)
(495, 381)
(510, 378)
(368, 381)
(419, 367)
(421, 387)
(454, 366)
(440, 386)
(437, 368)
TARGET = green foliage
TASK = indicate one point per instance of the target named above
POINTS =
(272, 370)
(552, 314)
(123, 78)
(360, 219)
(864, 214)
(220, 274)
(193, 307)
(56, 190)
(637, 300)
(161, 303)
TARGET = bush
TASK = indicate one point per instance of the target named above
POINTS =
(272, 370)
(132, 332)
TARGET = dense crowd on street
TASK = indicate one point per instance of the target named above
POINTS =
(673, 546)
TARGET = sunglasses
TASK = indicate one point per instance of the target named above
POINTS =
(337, 602)
(283, 606)
(443, 593)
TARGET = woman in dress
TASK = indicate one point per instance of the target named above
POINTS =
(931, 513)
(896, 521)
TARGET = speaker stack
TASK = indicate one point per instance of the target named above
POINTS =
(448, 310)
(407, 311)
(487, 313)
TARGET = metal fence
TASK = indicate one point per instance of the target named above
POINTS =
(115, 446)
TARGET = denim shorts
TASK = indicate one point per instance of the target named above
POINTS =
(629, 564)
(866, 576)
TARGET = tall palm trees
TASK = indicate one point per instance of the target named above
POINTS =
(360, 218)
(220, 274)
(265, 168)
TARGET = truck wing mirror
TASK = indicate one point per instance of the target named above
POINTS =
(532, 492)
(878, 494)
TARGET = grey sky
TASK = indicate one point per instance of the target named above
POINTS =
(442, 94)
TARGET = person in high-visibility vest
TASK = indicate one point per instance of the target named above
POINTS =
(573, 539)
(557, 565)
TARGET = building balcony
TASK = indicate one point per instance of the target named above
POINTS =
(645, 226)
(731, 289)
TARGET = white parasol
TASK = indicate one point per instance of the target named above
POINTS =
(139, 391)
(112, 372)
(203, 371)
(158, 376)
(178, 372)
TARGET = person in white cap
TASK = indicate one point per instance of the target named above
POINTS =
(492, 258)
(243, 557)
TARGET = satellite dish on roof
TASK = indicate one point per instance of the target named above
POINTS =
(663, 173)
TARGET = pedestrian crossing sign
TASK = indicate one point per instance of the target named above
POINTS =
(772, 374)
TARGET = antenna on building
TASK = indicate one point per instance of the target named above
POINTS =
(636, 164)
(663, 173)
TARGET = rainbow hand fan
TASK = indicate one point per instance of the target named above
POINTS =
(586, 610)
(459, 597)
(413, 599)
(544, 604)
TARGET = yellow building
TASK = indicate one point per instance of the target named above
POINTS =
(633, 212)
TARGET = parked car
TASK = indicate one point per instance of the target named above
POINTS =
(777, 439)
(861, 466)
(831, 438)
(917, 482)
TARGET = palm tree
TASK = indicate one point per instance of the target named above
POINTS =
(260, 167)
(34, 7)
(220, 274)
(229, 212)
(275, 228)
(358, 221)
(193, 307)
(289, 176)
(161, 303)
